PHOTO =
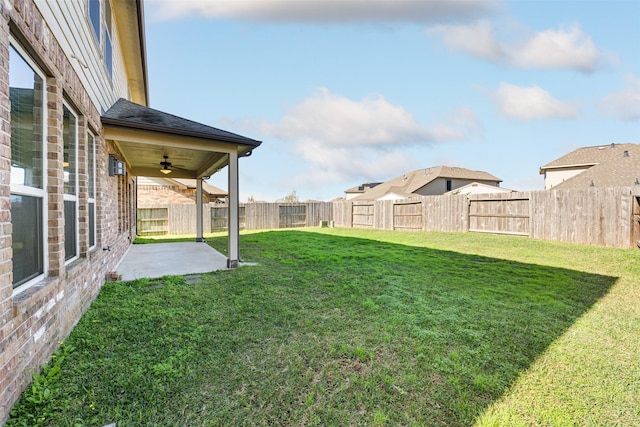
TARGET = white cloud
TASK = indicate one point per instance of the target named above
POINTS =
(564, 48)
(325, 11)
(625, 104)
(476, 39)
(337, 121)
(344, 140)
(532, 103)
(330, 165)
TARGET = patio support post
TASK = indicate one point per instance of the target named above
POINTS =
(234, 226)
(199, 236)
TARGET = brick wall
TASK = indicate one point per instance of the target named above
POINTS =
(151, 195)
(33, 322)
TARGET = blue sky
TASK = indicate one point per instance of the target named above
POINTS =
(343, 92)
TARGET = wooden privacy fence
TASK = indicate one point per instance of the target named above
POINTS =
(157, 220)
(181, 219)
(597, 216)
(270, 216)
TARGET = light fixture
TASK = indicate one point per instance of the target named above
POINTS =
(116, 167)
(166, 166)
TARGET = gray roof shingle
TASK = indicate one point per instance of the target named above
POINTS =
(621, 169)
(129, 114)
(587, 156)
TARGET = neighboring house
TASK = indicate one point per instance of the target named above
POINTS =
(479, 188)
(427, 182)
(76, 133)
(611, 165)
(169, 191)
(359, 189)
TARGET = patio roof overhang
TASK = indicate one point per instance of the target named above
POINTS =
(144, 136)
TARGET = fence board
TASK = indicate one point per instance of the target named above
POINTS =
(500, 214)
(407, 216)
(153, 221)
(292, 216)
(635, 222)
(362, 215)
(220, 218)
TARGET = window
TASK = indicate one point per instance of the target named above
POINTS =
(108, 49)
(70, 166)
(102, 30)
(28, 180)
(93, 11)
(448, 185)
(91, 172)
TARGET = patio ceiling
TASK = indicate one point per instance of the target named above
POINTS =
(144, 136)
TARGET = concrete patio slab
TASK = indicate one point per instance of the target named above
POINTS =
(161, 259)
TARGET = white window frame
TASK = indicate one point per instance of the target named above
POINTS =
(74, 197)
(96, 34)
(40, 193)
(104, 37)
(91, 169)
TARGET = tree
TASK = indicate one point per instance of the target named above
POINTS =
(291, 198)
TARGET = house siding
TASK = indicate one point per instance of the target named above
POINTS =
(553, 177)
(439, 186)
(68, 23)
(34, 321)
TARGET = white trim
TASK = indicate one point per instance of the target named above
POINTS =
(233, 257)
(91, 148)
(32, 191)
(199, 214)
(73, 197)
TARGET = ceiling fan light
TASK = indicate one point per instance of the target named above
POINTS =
(166, 166)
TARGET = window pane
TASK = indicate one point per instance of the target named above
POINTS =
(108, 52)
(26, 93)
(27, 243)
(92, 225)
(107, 16)
(94, 16)
(70, 145)
(91, 166)
(70, 246)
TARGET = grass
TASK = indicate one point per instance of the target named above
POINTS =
(354, 327)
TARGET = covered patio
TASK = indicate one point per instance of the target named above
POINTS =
(153, 143)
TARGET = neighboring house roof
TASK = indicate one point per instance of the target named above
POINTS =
(620, 169)
(586, 156)
(411, 182)
(362, 187)
(479, 188)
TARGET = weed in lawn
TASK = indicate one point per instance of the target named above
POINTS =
(44, 397)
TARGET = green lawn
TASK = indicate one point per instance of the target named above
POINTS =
(354, 327)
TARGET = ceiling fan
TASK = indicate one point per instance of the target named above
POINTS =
(166, 165)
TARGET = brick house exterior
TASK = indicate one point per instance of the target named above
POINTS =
(167, 191)
(67, 217)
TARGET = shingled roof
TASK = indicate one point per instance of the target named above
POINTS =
(362, 187)
(587, 156)
(411, 182)
(620, 168)
(125, 113)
